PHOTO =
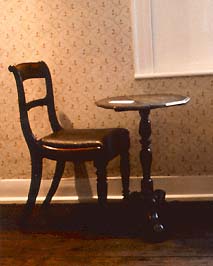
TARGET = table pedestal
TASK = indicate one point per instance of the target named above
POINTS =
(153, 199)
(146, 151)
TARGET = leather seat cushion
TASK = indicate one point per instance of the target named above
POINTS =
(109, 138)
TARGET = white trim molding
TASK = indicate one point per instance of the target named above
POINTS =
(183, 188)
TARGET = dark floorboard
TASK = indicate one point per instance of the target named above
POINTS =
(85, 234)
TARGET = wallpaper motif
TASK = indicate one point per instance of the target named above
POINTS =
(88, 47)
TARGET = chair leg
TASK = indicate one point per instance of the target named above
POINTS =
(55, 182)
(101, 180)
(36, 173)
(125, 173)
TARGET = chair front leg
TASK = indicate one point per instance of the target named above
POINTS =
(101, 173)
(125, 173)
(59, 170)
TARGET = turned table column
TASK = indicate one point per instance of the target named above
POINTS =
(146, 151)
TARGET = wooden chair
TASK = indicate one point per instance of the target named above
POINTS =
(61, 145)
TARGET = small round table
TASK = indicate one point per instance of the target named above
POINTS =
(144, 103)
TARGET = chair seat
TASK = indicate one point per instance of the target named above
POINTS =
(85, 138)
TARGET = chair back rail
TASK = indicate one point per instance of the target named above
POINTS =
(27, 71)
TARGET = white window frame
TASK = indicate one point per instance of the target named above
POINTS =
(143, 43)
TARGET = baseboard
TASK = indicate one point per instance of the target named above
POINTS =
(77, 190)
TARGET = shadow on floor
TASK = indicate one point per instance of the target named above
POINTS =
(117, 219)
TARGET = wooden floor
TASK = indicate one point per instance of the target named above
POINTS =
(86, 235)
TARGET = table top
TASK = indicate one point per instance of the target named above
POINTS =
(142, 101)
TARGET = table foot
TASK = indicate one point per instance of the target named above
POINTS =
(154, 230)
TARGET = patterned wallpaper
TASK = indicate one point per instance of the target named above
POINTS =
(88, 47)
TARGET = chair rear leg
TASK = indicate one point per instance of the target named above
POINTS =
(36, 173)
(101, 180)
(59, 170)
(125, 173)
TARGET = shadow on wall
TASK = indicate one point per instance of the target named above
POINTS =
(80, 170)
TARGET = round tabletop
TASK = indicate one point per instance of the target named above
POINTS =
(142, 101)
